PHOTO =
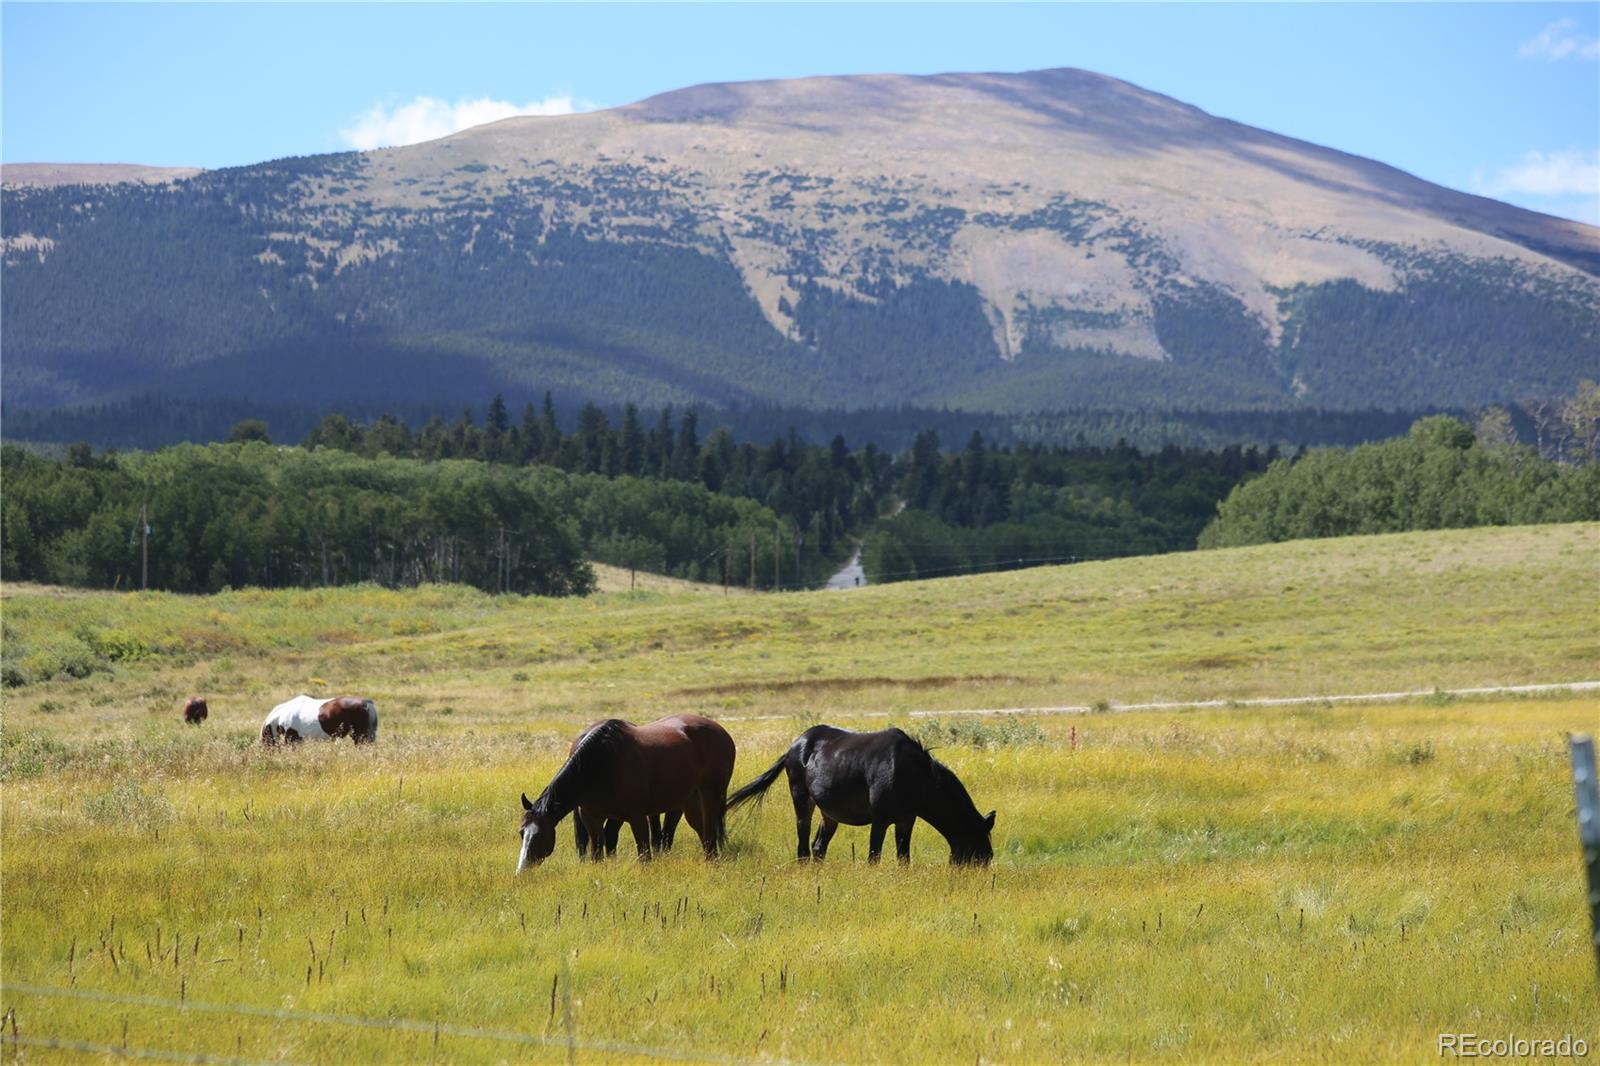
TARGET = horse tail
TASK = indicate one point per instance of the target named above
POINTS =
(372, 719)
(755, 788)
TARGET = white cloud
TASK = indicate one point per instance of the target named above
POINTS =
(425, 118)
(1560, 40)
(1574, 172)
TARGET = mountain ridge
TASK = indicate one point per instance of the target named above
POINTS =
(986, 241)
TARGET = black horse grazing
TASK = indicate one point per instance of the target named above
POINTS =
(626, 773)
(877, 779)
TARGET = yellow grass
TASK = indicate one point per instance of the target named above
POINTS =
(1317, 883)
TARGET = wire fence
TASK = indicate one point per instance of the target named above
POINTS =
(127, 1051)
(437, 1029)
(1186, 705)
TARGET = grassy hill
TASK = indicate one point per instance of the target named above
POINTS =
(1410, 611)
(1228, 884)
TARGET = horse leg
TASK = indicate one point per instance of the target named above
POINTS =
(580, 836)
(875, 840)
(825, 831)
(902, 839)
(655, 833)
(710, 802)
(613, 831)
(641, 835)
(669, 829)
(594, 829)
(803, 806)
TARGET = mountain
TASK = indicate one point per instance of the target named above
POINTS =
(51, 174)
(1002, 242)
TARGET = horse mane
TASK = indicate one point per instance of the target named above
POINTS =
(948, 785)
(590, 756)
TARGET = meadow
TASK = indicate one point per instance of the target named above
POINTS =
(1324, 882)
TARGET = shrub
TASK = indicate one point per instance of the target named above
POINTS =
(126, 802)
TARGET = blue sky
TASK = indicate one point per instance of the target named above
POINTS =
(1501, 99)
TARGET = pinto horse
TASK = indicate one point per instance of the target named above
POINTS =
(877, 779)
(306, 718)
(620, 772)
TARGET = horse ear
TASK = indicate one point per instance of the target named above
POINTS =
(988, 821)
(525, 804)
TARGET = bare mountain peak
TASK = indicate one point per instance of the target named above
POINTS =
(1064, 94)
(48, 174)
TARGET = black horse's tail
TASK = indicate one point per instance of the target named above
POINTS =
(755, 788)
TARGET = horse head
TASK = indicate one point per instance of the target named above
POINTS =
(538, 834)
(973, 847)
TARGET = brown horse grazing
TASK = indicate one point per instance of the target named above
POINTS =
(194, 710)
(623, 772)
(660, 836)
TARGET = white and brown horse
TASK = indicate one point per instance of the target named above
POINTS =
(307, 718)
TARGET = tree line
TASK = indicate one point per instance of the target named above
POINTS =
(522, 505)
(1442, 474)
(154, 420)
(989, 508)
(249, 513)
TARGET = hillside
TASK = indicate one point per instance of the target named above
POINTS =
(1001, 242)
(1360, 614)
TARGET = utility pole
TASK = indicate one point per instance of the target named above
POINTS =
(502, 574)
(144, 546)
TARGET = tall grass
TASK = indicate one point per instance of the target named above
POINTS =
(1230, 884)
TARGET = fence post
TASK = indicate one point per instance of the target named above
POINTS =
(1588, 796)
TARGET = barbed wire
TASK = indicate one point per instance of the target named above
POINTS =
(410, 1025)
(128, 1051)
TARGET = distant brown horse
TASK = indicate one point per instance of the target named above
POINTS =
(194, 710)
(623, 772)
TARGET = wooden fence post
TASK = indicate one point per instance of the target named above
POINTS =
(1588, 795)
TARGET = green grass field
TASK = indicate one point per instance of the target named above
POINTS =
(1321, 882)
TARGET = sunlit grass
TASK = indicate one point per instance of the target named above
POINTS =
(1311, 883)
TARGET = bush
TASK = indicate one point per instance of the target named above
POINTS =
(126, 802)
(113, 645)
(1007, 731)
